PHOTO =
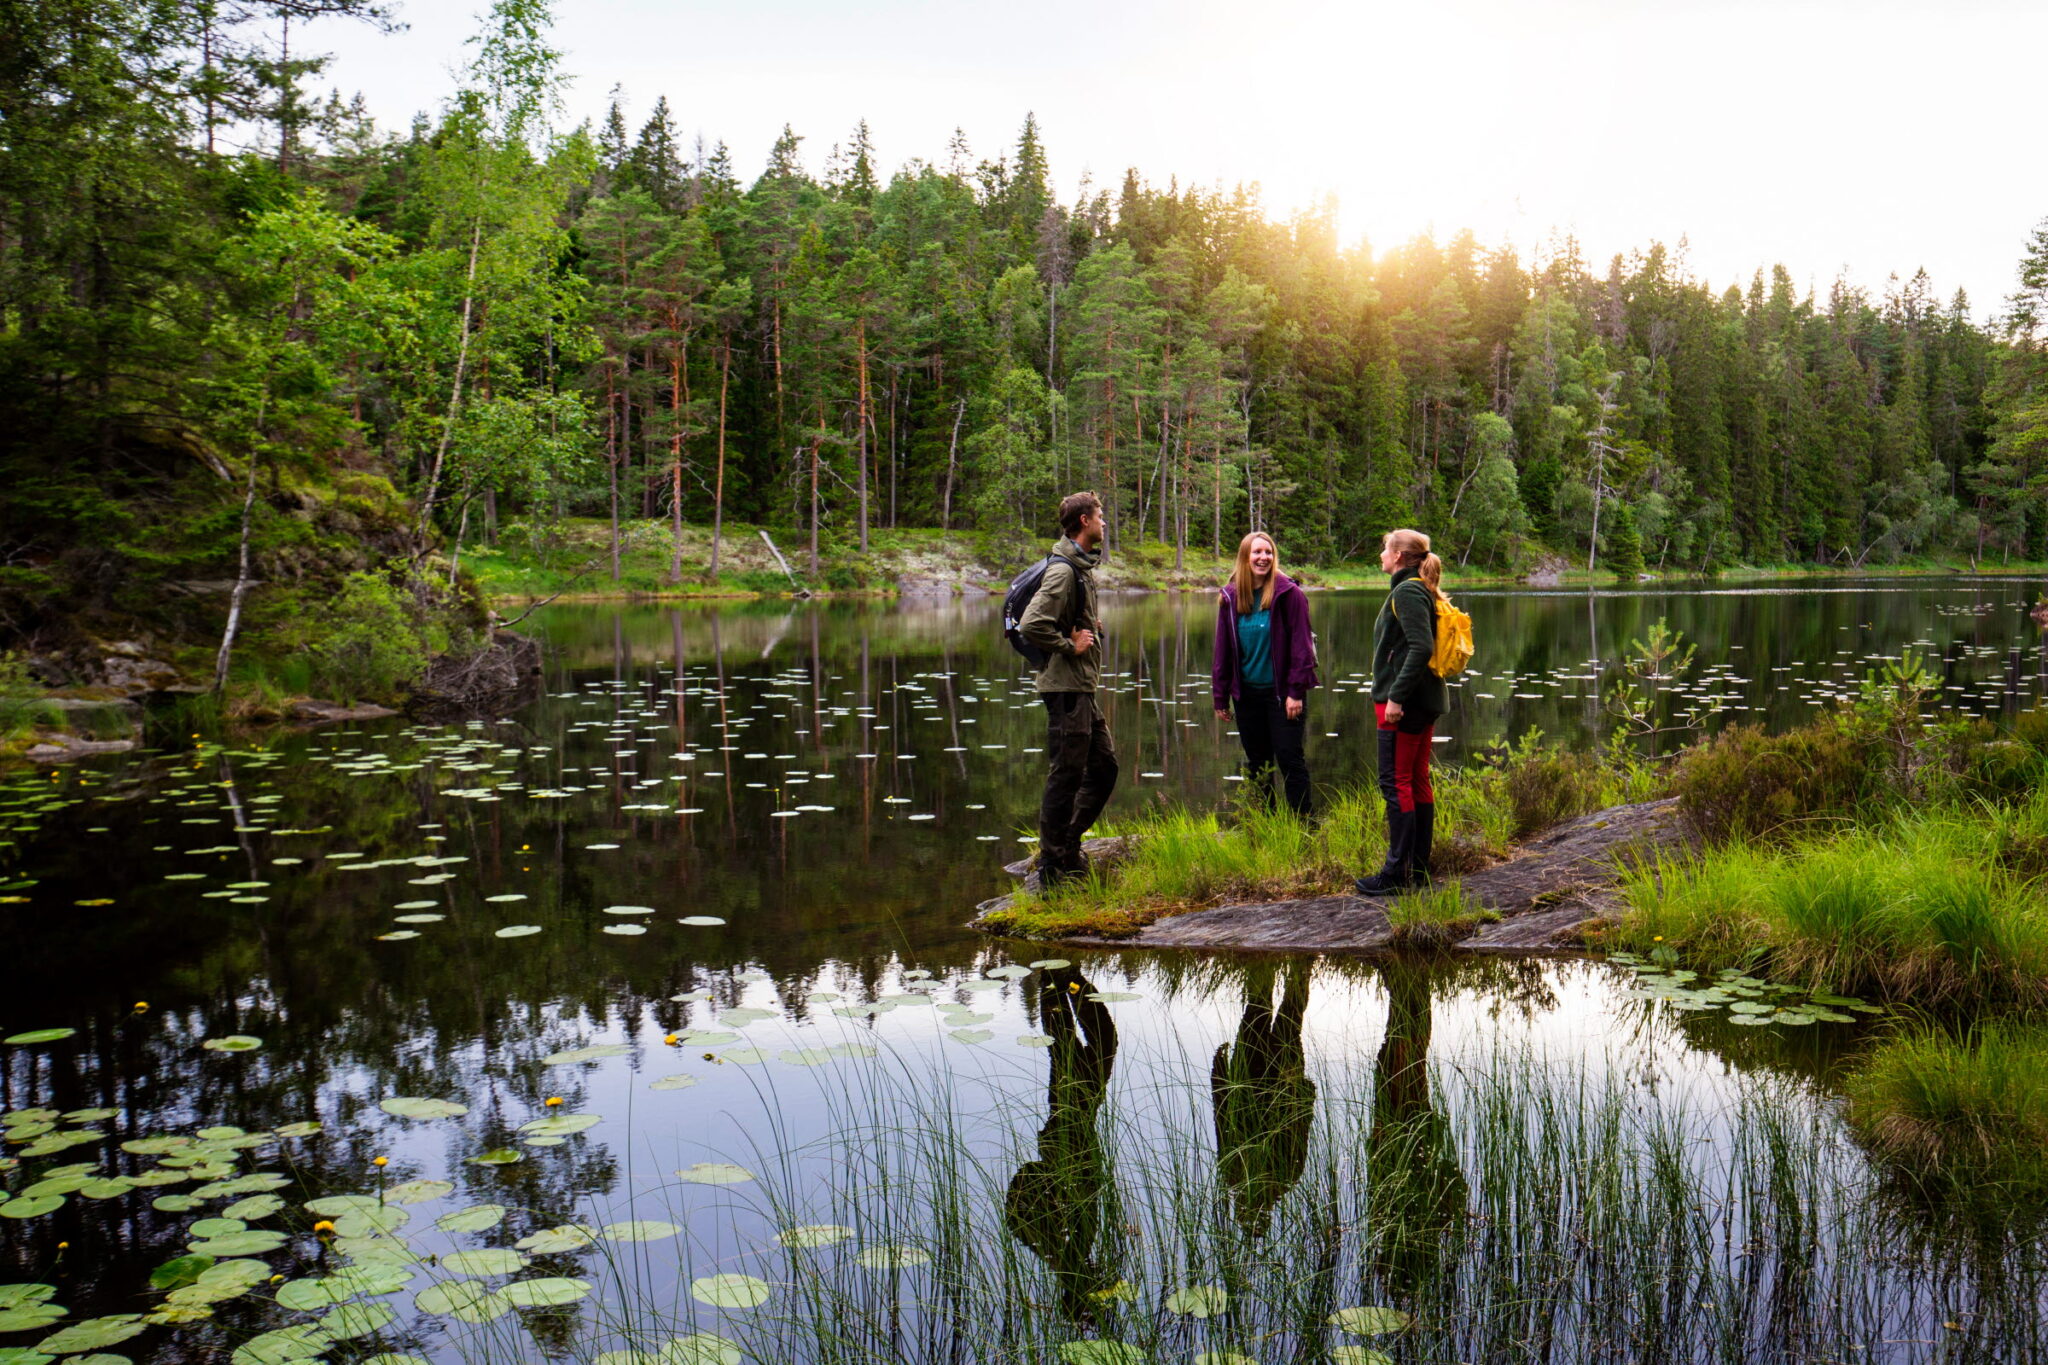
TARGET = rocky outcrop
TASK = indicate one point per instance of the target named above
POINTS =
(1543, 894)
(316, 712)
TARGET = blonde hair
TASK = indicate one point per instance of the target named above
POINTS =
(1413, 547)
(1241, 583)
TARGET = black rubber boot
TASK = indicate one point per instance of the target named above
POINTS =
(1424, 843)
(1392, 878)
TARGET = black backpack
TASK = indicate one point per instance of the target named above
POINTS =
(1016, 601)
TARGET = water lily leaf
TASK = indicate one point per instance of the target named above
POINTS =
(706, 1038)
(395, 1358)
(594, 1053)
(93, 1334)
(970, 1035)
(813, 1235)
(475, 1218)
(335, 1205)
(169, 1203)
(398, 936)
(1198, 1301)
(413, 919)
(625, 930)
(42, 1035)
(701, 921)
(1008, 973)
(516, 931)
(113, 1187)
(551, 1292)
(1113, 997)
(237, 1273)
(304, 1128)
(1101, 1353)
(498, 1156)
(216, 1227)
(893, 1256)
(681, 1082)
(714, 1173)
(356, 1320)
(730, 1291)
(504, 899)
(1225, 1358)
(418, 1191)
(26, 1295)
(284, 1346)
(554, 1241)
(259, 1182)
(485, 1261)
(35, 1207)
(255, 1207)
(1368, 1321)
(465, 1300)
(804, 1056)
(376, 1249)
(1034, 1040)
(746, 1056)
(561, 1125)
(629, 909)
(701, 1348)
(371, 1279)
(640, 1230)
(95, 1115)
(254, 1242)
(308, 1296)
(56, 1184)
(363, 1222)
(1048, 964)
(1360, 1355)
(234, 1042)
(414, 1107)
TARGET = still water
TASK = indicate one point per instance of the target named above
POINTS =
(677, 949)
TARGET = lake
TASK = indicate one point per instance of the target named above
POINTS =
(654, 1001)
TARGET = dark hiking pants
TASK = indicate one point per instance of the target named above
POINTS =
(1079, 778)
(1272, 741)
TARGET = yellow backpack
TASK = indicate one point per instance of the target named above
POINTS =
(1453, 640)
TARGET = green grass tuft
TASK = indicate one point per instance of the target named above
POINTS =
(1964, 1115)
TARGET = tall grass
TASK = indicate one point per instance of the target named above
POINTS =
(1919, 908)
(1960, 1115)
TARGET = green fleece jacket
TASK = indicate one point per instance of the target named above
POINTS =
(1403, 638)
(1064, 603)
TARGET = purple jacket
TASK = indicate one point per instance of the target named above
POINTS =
(1294, 647)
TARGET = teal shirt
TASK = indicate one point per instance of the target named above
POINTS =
(1255, 648)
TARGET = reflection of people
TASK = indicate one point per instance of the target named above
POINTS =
(1407, 698)
(1062, 621)
(1055, 1204)
(1265, 661)
(1264, 1101)
(1417, 1192)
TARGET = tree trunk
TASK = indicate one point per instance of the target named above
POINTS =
(227, 639)
(675, 465)
(476, 237)
(718, 482)
(952, 463)
(860, 342)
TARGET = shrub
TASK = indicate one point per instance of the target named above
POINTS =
(372, 639)
(1744, 782)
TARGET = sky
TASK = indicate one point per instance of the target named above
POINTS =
(1859, 139)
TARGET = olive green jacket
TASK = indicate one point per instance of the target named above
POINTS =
(1403, 638)
(1064, 603)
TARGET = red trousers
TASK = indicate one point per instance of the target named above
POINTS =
(1404, 759)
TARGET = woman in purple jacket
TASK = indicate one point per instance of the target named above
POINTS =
(1266, 663)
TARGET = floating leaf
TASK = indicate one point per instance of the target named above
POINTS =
(730, 1291)
(485, 1261)
(561, 1125)
(398, 936)
(639, 1231)
(813, 1235)
(1034, 1040)
(34, 1207)
(255, 1207)
(682, 1082)
(1101, 1353)
(505, 899)
(517, 930)
(216, 1227)
(804, 1056)
(364, 1222)
(551, 1292)
(372, 1279)
(702, 1348)
(418, 1191)
(169, 1203)
(475, 1218)
(234, 1042)
(893, 1256)
(42, 1035)
(35, 1317)
(335, 1205)
(970, 1035)
(28, 1295)
(1225, 1358)
(284, 1346)
(93, 1334)
(414, 1107)
(629, 909)
(1113, 997)
(715, 1173)
(1198, 1301)
(309, 1296)
(1359, 1355)
(465, 1300)
(596, 1052)
(356, 1320)
(498, 1156)
(254, 1242)
(1048, 964)
(555, 1241)
(1368, 1321)
(701, 921)
(625, 930)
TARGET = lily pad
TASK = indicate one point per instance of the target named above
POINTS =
(42, 1035)
(1034, 1040)
(485, 1261)
(416, 919)
(234, 1042)
(93, 1334)
(419, 1191)
(517, 931)
(1198, 1301)
(398, 936)
(594, 1053)
(714, 1173)
(701, 921)
(475, 1218)
(1098, 1352)
(1359, 1355)
(180, 1271)
(1047, 964)
(549, 1292)
(556, 1241)
(700, 1348)
(465, 1300)
(893, 1256)
(356, 1320)
(1368, 1321)
(34, 1207)
(498, 1156)
(970, 1035)
(629, 909)
(312, 1295)
(254, 1207)
(813, 1235)
(561, 1125)
(304, 1341)
(415, 1107)
(643, 1230)
(680, 1082)
(730, 1291)
(335, 1205)
(254, 1242)
(364, 1222)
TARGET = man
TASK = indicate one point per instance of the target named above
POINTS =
(1061, 620)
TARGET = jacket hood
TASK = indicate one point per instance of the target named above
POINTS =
(1282, 585)
(1075, 555)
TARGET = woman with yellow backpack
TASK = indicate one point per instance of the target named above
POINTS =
(1418, 640)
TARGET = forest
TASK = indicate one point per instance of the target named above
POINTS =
(246, 332)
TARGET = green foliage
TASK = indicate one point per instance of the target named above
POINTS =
(372, 639)
(1963, 1116)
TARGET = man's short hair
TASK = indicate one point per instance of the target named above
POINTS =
(1075, 506)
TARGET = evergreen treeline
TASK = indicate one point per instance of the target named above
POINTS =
(485, 317)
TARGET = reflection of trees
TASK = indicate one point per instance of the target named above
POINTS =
(1417, 1193)
(1058, 1204)
(1264, 1101)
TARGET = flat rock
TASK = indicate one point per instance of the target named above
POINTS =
(1550, 886)
(320, 712)
(66, 748)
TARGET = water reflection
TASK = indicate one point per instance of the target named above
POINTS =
(1417, 1191)
(1060, 1204)
(1263, 1099)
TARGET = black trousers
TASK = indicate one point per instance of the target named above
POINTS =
(1079, 778)
(1271, 740)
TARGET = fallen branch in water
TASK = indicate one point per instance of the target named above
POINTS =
(589, 566)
